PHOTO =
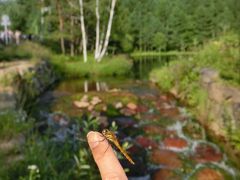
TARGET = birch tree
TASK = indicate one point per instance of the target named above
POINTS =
(84, 40)
(61, 25)
(101, 45)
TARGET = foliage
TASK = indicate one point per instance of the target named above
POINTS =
(138, 25)
(183, 74)
(70, 159)
(27, 50)
(75, 67)
(136, 54)
(12, 123)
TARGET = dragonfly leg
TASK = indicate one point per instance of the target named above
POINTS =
(107, 147)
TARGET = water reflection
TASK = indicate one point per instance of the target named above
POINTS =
(99, 86)
(142, 66)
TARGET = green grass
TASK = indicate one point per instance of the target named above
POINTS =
(137, 54)
(11, 124)
(183, 73)
(70, 159)
(73, 67)
(26, 50)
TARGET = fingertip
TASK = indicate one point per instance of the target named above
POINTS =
(93, 139)
(106, 160)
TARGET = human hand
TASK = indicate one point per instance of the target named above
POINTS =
(105, 158)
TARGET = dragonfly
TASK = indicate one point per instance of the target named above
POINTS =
(110, 136)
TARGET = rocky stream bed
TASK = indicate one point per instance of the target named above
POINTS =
(165, 140)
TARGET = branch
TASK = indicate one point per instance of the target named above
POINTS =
(72, 5)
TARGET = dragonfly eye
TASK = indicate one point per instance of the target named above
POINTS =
(104, 131)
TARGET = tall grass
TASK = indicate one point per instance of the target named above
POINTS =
(73, 67)
(26, 50)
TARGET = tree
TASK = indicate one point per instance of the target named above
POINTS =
(84, 40)
(101, 45)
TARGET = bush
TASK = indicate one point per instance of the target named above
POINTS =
(73, 67)
(183, 74)
(25, 50)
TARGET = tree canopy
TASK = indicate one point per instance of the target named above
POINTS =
(138, 25)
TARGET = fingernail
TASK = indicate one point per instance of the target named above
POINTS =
(93, 139)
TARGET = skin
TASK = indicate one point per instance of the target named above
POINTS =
(105, 158)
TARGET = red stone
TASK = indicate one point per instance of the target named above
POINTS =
(142, 109)
(127, 112)
(209, 174)
(151, 129)
(146, 142)
(167, 158)
(171, 112)
(205, 153)
(150, 117)
(175, 143)
(132, 106)
(165, 174)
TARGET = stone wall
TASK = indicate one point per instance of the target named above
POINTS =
(223, 105)
(8, 70)
(221, 115)
(33, 83)
(25, 82)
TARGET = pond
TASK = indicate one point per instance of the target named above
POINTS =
(166, 142)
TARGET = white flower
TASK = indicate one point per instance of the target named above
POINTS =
(33, 167)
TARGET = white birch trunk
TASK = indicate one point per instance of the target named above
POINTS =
(83, 31)
(97, 30)
(103, 50)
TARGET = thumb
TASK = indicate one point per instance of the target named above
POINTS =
(106, 160)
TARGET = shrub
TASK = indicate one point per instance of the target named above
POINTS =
(25, 50)
(72, 67)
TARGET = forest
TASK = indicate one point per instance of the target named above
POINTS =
(138, 25)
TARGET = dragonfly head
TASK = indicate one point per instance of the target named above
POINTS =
(108, 134)
(105, 132)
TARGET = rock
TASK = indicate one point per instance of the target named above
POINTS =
(84, 98)
(60, 119)
(209, 75)
(118, 105)
(127, 112)
(205, 153)
(132, 106)
(155, 130)
(81, 104)
(95, 100)
(104, 108)
(150, 117)
(165, 174)
(10, 144)
(170, 112)
(209, 174)
(146, 142)
(12, 159)
(90, 108)
(166, 158)
(142, 109)
(176, 142)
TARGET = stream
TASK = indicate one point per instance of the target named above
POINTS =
(165, 141)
